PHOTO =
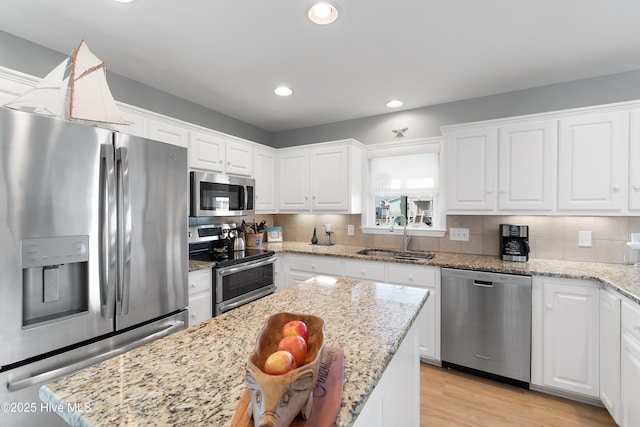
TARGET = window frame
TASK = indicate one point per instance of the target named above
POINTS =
(402, 148)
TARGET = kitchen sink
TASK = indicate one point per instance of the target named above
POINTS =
(386, 253)
(377, 252)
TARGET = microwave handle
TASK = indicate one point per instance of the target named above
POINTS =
(245, 195)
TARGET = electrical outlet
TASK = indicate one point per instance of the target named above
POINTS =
(584, 239)
(351, 230)
(461, 234)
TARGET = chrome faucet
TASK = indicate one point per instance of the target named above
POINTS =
(405, 237)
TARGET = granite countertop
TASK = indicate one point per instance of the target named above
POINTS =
(623, 278)
(196, 376)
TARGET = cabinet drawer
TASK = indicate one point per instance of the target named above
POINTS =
(365, 270)
(631, 318)
(414, 276)
(324, 265)
(199, 280)
(200, 306)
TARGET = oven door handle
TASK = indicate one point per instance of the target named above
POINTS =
(267, 290)
(225, 271)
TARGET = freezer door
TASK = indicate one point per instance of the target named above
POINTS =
(153, 221)
(51, 176)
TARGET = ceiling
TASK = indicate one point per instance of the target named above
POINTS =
(229, 55)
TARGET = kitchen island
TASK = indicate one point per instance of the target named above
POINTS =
(196, 376)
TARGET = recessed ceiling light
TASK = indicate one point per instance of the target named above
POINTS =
(394, 103)
(125, 1)
(323, 13)
(283, 91)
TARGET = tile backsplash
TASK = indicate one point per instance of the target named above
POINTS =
(551, 237)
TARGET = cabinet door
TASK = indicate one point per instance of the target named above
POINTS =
(165, 132)
(592, 163)
(265, 174)
(294, 181)
(206, 151)
(527, 159)
(630, 366)
(329, 173)
(200, 305)
(570, 337)
(365, 270)
(135, 124)
(610, 352)
(429, 318)
(239, 158)
(634, 161)
(471, 169)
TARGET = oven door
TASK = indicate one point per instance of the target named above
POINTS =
(242, 283)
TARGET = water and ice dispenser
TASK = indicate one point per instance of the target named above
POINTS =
(55, 278)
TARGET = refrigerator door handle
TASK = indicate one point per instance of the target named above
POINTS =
(62, 371)
(107, 235)
(124, 219)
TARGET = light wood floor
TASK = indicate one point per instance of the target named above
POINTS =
(452, 398)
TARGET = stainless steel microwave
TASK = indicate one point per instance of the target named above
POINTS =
(214, 194)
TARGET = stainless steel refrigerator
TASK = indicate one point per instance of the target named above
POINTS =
(93, 250)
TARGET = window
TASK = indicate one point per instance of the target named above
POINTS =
(404, 180)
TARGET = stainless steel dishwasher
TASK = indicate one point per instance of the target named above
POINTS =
(486, 324)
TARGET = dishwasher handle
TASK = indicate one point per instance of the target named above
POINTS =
(483, 283)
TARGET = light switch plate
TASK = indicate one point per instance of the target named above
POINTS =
(351, 230)
(461, 234)
(584, 239)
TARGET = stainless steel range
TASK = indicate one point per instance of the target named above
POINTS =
(239, 276)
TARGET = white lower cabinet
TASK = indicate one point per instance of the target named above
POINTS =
(200, 296)
(395, 401)
(365, 270)
(565, 336)
(630, 365)
(303, 267)
(610, 352)
(429, 318)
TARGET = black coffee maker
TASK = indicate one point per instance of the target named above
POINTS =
(514, 242)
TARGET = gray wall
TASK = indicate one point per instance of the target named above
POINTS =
(426, 122)
(30, 58)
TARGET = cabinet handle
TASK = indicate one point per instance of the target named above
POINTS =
(313, 197)
(636, 326)
(503, 192)
(548, 307)
(488, 192)
(364, 273)
(193, 285)
(616, 189)
(636, 188)
(410, 277)
(220, 161)
(313, 266)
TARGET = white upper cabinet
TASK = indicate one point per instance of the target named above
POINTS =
(167, 132)
(527, 159)
(329, 174)
(206, 151)
(323, 177)
(567, 162)
(293, 168)
(592, 163)
(634, 161)
(216, 152)
(239, 157)
(471, 169)
(264, 165)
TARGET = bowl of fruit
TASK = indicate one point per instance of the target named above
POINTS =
(283, 369)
